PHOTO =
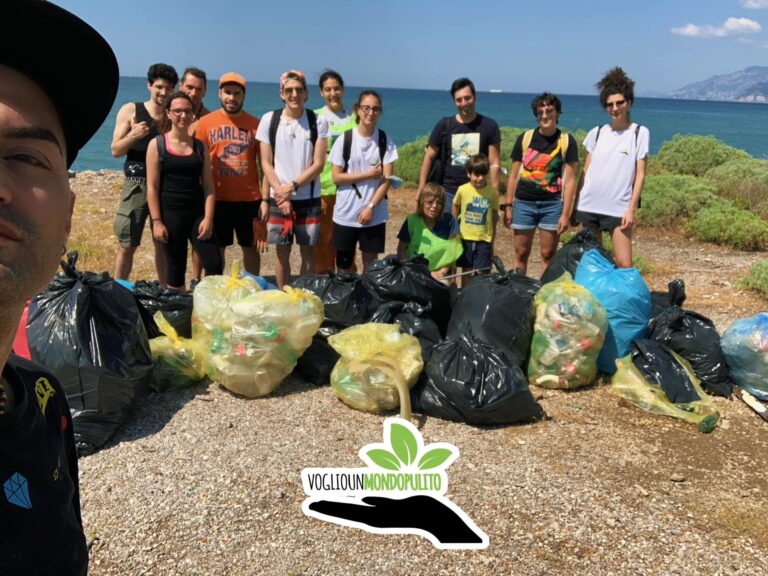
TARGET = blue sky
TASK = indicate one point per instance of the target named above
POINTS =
(562, 46)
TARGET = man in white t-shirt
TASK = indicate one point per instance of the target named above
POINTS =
(293, 149)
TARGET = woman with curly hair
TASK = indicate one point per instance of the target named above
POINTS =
(614, 170)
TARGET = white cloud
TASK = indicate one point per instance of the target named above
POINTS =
(731, 27)
(754, 4)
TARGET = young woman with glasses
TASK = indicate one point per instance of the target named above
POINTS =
(180, 194)
(360, 213)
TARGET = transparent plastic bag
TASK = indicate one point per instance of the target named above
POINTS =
(630, 384)
(745, 346)
(568, 334)
(178, 362)
(269, 330)
(378, 366)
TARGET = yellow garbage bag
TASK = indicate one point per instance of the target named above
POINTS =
(269, 330)
(178, 362)
(568, 333)
(378, 366)
(628, 383)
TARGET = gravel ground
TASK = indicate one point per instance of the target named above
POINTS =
(202, 482)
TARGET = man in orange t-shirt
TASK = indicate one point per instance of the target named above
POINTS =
(230, 135)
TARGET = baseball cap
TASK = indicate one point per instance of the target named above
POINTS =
(232, 78)
(53, 48)
(292, 75)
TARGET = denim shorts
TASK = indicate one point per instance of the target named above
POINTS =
(532, 214)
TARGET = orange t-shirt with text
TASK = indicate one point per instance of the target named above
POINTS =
(232, 144)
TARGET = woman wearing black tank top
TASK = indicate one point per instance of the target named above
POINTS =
(180, 194)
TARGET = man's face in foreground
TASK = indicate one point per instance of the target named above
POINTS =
(35, 200)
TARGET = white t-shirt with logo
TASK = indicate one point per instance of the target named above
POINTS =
(363, 155)
(293, 149)
(611, 173)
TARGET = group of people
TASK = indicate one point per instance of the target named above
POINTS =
(320, 178)
(202, 178)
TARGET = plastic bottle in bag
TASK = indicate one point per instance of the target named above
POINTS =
(568, 333)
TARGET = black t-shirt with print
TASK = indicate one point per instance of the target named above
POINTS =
(40, 525)
(462, 141)
(542, 171)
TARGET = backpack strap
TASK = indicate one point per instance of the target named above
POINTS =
(382, 145)
(346, 152)
(199, 150)
(312, 119)
(274, 122)
(162, 153)
(564, 142)
(527, 137)
(598, 133)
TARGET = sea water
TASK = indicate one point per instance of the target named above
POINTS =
(409, 114)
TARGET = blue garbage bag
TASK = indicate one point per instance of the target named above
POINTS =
(626, 299)
(745, 346)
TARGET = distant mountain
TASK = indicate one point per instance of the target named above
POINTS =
(748, 85)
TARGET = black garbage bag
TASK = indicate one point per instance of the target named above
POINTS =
(660, 368)
(345, 300)
(175, 306)
(413, 319)
(500, 311)
(470, 381)
(86, 329)
(674, 296)
(568, 257)
(695, 338)
(317, 361)
(409, 281)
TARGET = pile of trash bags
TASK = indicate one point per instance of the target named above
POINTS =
(178, 362)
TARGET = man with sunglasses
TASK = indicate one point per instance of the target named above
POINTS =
(542, 181)
(230, 135)
(294, 141)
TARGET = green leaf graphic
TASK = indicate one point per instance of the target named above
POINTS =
(403, 443)
(434, 458)
(384, 459)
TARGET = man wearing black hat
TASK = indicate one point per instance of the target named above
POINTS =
(43, 125)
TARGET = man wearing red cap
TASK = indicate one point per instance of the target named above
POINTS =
(43, 125)
(230, 135)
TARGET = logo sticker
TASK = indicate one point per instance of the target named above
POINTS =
(402, 490)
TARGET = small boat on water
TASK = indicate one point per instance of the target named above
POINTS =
(495, 90)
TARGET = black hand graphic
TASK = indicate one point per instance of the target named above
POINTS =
(419, 512)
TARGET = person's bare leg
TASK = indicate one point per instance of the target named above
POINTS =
(307, 260)
(161, 263)
(622, 247)
(251, 259)
(523, 243)
(283, 265)
(124, 261)
(548, 240)
(197, 267)
(368, 258)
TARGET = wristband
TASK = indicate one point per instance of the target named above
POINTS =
(156, 219)
(295, 186)
(371, 205)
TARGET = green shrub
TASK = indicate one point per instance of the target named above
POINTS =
(756, 278)
(670, 200)
(730, 226)
(696, 154)
(409, 161)
(744, 182)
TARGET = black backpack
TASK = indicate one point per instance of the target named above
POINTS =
(437, 170)
(275, 122)
(347, 152)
